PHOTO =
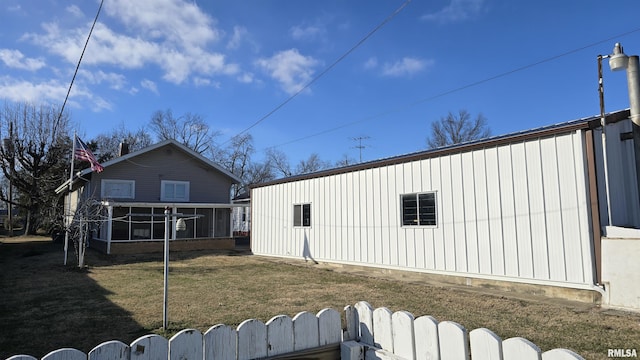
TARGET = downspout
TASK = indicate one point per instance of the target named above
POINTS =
(596, 231)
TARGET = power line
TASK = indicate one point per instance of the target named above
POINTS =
(326, 70)
(95, 20)
(448, 92)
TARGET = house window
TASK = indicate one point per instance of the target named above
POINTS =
(419, 209)
(118, 189)
(174, 190)
(302, 215)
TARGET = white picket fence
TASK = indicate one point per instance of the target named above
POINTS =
(369, 334)
(381, 334)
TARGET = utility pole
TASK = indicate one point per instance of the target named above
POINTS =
(360, 146)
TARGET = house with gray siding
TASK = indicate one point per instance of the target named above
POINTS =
(134, 190)
(525, 208)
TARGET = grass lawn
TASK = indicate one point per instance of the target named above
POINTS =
(45, 305)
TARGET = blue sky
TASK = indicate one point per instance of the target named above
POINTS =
(522, 64)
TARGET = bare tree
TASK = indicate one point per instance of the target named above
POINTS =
(189, 129)
(237, 158)
(279, 162)
(107, 145)
(88, 217)
(455, 129)
(311, 164)
(346, 160)
(34, 159)
(258, 173)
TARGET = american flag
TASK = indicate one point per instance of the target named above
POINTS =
(82, 152)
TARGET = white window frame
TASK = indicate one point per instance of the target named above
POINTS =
(167, 197)
(298, 209)
(418, 208)
(106, 190)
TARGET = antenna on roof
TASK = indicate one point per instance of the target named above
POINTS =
(360, 146)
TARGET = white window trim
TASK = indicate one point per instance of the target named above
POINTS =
(302, 225)
(104, 184)
(163, 196)
(435, 194)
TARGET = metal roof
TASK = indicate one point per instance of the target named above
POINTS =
(578, 124)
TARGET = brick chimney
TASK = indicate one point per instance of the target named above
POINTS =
(123, 149)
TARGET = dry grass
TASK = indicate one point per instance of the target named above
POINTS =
(46, 306)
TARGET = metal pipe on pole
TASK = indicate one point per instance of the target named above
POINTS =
(633, 83)
(603, 123)
(167, 214)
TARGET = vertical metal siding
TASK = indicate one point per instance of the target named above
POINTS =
(470, 212)
(538, 221)
(521, 209)
(518, 210)
(494, 201)
(483, 232)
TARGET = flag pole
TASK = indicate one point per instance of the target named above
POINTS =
(67, 208)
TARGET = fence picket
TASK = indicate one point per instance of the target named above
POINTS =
(110, 350)
(252, 339)
(369, 333)
(305, 331)
(365, 319)
(280, 335)
(149, 347)
(560, 354)
(329, 327)
(220, 343)
(352, 324)
(453, 341)
(382, 329)
(426, 338)
(403, 335)
(66, 354)
(485, 345)
(520, 348)
(187, 344)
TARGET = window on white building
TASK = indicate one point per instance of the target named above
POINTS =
(302, 215)
(419, 209)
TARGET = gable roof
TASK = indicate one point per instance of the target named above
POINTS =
(583, 123)
(86, 172)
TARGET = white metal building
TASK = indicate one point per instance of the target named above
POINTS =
(526, 207)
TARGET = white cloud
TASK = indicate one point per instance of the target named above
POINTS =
(239, 34)
(114, 80)
(17, 91)
(306, 33)
(171, 34)
(199, 81)
(456, 11)
(149, 85)
(246, 78)
(51, 92)
(371, 63)
(291, 69)
(176, 21)
(16, 60)
(75, 11)
(406, 67)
